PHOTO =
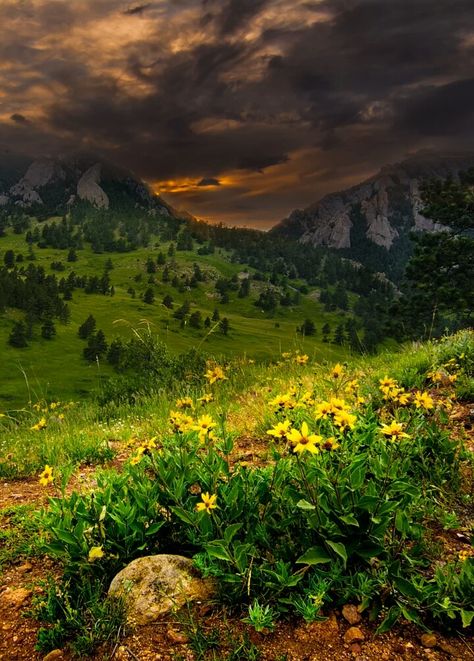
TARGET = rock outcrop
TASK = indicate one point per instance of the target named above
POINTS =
(380, 211)
(88, 188)
(156, 584)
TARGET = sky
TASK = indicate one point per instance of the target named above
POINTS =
(238, 110)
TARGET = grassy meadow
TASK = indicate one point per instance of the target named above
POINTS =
(56, 369)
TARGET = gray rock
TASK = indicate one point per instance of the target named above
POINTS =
(157, 584)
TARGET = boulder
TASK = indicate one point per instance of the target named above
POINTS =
(156, 584)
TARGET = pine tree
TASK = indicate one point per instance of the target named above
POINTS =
(149, 296)
(224, 326)
(87, 328)
(215, 315)
(48, 329)
(326, 330)
(72, 255)
(339, 335)
(168, 302)
(17, 336)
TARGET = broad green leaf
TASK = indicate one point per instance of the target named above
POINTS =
(467, 617)
(305, 505)
(338, 548)
(231, 531)
(316, 555)
(406, 587)
(350, 520)
(392, 616)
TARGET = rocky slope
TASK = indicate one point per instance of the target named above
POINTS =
(375, 217)
(51, 185)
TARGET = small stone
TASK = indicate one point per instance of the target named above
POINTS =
(353, 635)
(177, 637)
(428, 640)
(11, 598)
(25, 567)
(356, 648)
(447, 647)
(55, 655)
(351, 614)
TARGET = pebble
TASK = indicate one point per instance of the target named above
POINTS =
(353, 635)
(428, 640)
(54, 655)
(447, 647)
(177, 637)
(11, 598)
(351, 614)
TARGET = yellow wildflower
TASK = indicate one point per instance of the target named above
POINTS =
(95, 553)
(337, 371)
(330, 444)
(345, 420)
(422, 400)
(352, 387)
(323, 410)
(46, 476)
(394, 430)
(206, 398)
(215, 374)
(207, 503)
(181, 422)
(301, 359)
(184, 403)
(387, 382)
(303, 441)
(283, 402)
(41, 424)
(285, 355)
(204, 425)
(280, 430)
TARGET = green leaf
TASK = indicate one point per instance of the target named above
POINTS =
(368, 503)
(392, 616)
(316, 555)
(369, 550)
(406, 587)
(65, 537)
(182, 514)
(338, 548)
(357, 477)
(231, 531)
(350, 520)
(304, 505)
(153, 529)
(467, 617)
(216, 550)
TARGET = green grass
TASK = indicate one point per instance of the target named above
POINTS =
(55, 368)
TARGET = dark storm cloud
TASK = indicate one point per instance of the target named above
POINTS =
(309, 95)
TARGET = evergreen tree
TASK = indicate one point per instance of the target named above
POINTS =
(195, 320)
(72, 255)
(149, 296)
(17, 336)
(207, 322)
(339, 335)
(87, 328)
(48, 329)
(215, 315)
(96, 346)
(168, 302)
(114, 353)
(224, 326)
(9, 259)
(326, 330)
(307, 327)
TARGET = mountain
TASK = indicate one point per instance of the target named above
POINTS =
(371, 221)
(50, 186)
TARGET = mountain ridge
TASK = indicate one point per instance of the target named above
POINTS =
(377, 215)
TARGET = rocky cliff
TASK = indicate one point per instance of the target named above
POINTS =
(51, 185)
(380, 211)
